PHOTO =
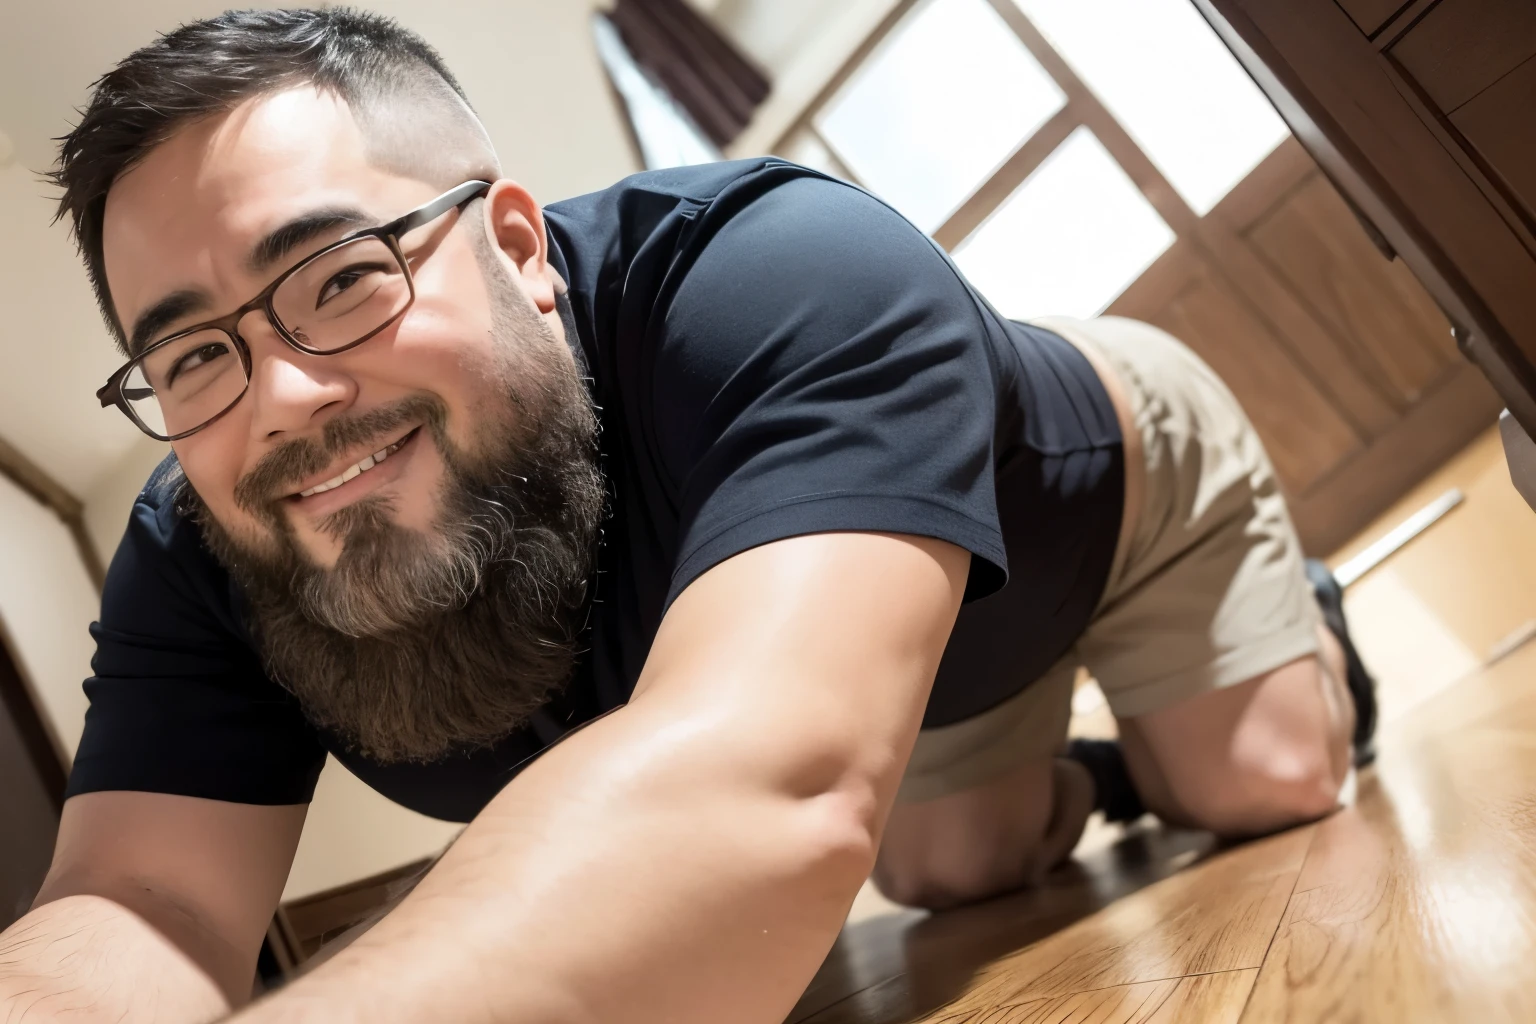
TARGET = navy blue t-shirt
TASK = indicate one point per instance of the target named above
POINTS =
(773, 353)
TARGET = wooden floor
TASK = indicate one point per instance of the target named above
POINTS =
(1416, 904)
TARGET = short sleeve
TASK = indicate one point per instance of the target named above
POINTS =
(179, 702)
(823, 367)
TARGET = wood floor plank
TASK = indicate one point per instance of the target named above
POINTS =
(1419, 904)
(1203, 999)
(901, 966)
(1218, 917)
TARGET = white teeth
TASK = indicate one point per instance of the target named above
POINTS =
(356, 469)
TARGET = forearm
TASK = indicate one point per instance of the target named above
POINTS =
(690, 858)
(632, 874)
(85, 959)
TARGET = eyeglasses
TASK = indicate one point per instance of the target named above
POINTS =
(331, 301)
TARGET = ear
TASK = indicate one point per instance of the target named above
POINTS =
(514, 222)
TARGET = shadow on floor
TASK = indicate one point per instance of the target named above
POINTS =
(900, 966)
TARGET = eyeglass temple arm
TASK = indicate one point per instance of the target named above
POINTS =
(439, 206)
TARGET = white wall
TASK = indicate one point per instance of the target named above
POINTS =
(353, 832)
(772, 32)
(801, 44)
(46, 604)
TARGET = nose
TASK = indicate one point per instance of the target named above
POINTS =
(291, 392)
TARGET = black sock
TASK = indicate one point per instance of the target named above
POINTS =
(1362, 687)
(1113, 791)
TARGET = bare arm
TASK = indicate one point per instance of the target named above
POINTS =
(153, 910)
(691, 857)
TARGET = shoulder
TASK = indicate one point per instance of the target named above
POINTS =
(813, 258)
(698, 184)
(654, 216)
(160, 518)
(162, 576)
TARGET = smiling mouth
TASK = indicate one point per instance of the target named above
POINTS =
(357, 468)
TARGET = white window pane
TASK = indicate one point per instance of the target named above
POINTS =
(1068, 240)
(1171, 82)
(937, 107)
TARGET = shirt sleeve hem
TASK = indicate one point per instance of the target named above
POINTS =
(205, 782)
(827, 512)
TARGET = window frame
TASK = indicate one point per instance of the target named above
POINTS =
(1082, 109)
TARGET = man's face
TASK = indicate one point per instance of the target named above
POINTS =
(188, 218)
(432, 598)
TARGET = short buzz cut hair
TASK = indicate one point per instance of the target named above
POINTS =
(208, 67)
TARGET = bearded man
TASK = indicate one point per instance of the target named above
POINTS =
(706, 544)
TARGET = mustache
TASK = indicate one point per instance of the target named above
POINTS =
(291, 462)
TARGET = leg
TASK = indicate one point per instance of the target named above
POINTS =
(1232, 701)
(1252, 758)
(985, 805)
(987, 840)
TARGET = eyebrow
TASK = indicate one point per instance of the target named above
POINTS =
(272, 247)
(162, 314)
(303, 228)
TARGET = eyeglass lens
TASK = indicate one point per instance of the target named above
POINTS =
(329, 302)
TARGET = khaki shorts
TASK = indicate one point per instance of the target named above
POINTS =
(1207, 589)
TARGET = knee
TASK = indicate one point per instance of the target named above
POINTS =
(1257, 791)
(931, 880)
(966, 846)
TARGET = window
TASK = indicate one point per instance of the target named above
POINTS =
(1068, 240)
(1175, 87)
(920, 122)
(972, 118)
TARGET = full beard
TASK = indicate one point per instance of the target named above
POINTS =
(414, 645)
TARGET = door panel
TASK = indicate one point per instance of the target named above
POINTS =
(1305, 434)
(1359, 399)
(1374, 311)
(1288, 299)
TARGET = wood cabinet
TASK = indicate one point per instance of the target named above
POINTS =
(1420, 111)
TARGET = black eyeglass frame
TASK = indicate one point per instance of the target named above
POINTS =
(112, 393)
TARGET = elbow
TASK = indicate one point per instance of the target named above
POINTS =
(838, 842)
(835, 808)
(848, 821)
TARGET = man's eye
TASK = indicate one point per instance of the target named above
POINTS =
(344, 280)
(200, 356)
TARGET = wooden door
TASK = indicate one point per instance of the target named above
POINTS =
(1346, 366)
(31, 795)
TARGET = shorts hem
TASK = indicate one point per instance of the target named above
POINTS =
(1234, 667)
(970, 753)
